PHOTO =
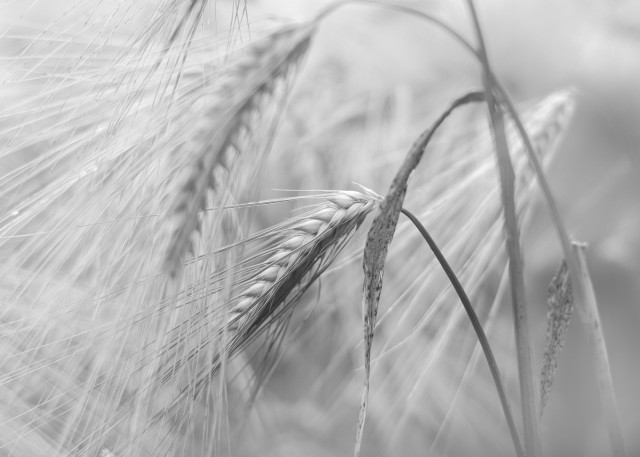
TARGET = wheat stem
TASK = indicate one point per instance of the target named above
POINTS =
(532, 440)
(477, 327)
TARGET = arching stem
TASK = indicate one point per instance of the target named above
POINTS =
(477, 327)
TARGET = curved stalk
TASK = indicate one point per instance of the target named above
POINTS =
(477, 327)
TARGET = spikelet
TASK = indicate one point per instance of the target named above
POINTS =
(216, 138)
(308, 241)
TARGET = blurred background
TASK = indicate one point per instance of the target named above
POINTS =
(372, 81)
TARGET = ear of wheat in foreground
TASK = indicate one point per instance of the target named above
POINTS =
(297, 252)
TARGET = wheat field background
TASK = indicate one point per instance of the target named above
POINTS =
(75, 318)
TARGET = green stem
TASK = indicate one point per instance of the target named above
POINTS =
(477, 327)
(532, 441)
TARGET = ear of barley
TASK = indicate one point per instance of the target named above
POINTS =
(299, 251)
(308, 241)
(215, 139)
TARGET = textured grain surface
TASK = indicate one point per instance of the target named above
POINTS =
(292, 257)
(559, 311)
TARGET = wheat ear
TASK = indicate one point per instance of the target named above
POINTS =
(308, 241)
(297, 252)
(213, 143)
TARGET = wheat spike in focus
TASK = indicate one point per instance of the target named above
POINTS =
(298, 251)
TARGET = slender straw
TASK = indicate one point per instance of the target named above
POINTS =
(477, 327)
(529, 402)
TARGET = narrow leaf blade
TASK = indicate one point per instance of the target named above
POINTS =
(559, 312)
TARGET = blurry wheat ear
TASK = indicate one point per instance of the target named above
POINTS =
(213, 142)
